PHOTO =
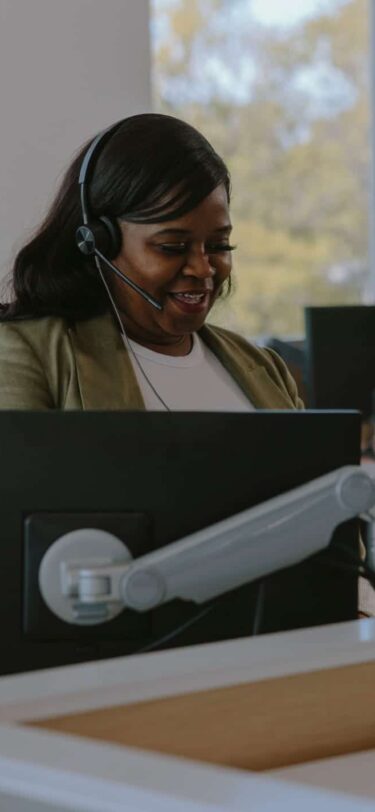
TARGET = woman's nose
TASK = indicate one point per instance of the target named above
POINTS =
(198, 264)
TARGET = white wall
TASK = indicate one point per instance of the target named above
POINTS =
(68, 68)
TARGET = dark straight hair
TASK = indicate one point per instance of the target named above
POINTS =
(153, 168)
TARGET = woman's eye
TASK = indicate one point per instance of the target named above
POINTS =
(174, 247)
(182, 247)
(221, 246)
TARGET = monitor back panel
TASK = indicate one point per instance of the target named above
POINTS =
(152, 478)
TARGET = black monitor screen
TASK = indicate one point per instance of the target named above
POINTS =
(340, 357)
(150, 479)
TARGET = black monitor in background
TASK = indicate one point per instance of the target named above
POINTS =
(340, 357)
(151, 478)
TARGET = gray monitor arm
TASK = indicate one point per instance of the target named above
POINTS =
(95, 584)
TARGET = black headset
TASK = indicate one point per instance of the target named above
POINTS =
(101, 236)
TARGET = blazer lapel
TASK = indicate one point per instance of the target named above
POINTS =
(105, 373)
(107, 381)
(252, 378)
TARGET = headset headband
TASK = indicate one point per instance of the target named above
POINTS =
(87, 163)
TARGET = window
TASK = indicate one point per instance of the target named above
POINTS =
(281, 89)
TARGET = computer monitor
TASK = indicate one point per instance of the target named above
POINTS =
(152, 478)
(340, 357)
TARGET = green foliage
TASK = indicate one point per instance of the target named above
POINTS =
(288, 109)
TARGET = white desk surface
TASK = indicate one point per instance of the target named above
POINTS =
(85, 775)
(353, 774)
(125, 680)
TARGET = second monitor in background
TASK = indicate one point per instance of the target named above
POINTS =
(340, 357)
(340, 362)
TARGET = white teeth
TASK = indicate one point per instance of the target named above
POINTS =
(190, 297)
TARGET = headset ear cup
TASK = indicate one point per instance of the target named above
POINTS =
(110, 237)
(102, 234)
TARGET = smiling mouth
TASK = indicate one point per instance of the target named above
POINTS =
(189, 302)
(193, 298)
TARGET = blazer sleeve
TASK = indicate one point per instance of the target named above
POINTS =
(285, 378)
(23, 381)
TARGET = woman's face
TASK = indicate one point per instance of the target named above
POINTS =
(182, 263)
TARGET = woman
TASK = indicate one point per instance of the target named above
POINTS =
(151, 196)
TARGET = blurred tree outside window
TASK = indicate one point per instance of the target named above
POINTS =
(286, 104)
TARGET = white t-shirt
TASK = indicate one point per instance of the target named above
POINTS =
(193, 382)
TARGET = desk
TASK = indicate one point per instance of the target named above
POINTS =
(53, 753)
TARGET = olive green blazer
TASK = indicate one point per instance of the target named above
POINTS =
(48, 364)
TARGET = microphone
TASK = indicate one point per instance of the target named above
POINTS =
(150, 299)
